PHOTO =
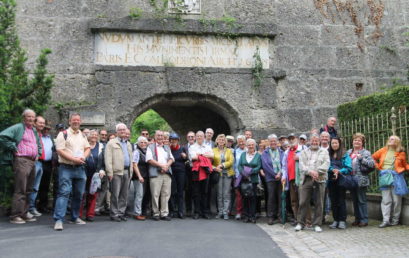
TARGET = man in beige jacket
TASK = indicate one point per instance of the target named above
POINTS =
(118, 157)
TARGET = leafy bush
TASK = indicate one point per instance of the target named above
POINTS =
(374, 104)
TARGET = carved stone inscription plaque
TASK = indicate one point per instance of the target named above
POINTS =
(147, 49)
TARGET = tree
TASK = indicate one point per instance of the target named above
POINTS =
(19, 89)
(151, 121)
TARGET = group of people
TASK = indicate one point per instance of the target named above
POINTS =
(96, 173)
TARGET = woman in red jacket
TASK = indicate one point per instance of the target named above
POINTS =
(391, 159)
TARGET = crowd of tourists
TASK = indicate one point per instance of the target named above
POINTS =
(94, 173)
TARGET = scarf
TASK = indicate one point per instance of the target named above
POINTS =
(175, 148)
(275, 158)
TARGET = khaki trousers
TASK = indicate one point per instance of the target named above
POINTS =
(160, 187)
(306, 191)
(391, 205)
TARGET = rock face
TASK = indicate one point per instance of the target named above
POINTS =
(320, 54)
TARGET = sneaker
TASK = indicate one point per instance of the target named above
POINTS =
(342, 225)
(384, 225)
(334, 225)
(318, 229)
(225, 216)
(35, 213)
(394, 223)
(238, 217)
(17, 220)
(78, 221)
(58, 225)
(219, 216)
(298, 227)
(90, 219)
(29, 215)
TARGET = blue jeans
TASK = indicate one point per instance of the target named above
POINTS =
(36, 185)
(70, 178)
(360, 204)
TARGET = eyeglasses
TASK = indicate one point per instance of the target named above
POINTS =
(191, 137)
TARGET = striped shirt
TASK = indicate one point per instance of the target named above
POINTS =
(28, 144)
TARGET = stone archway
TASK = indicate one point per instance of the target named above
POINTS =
(189, 111)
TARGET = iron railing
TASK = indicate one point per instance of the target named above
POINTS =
(377, 129)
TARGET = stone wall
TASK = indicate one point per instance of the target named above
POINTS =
(324, 61)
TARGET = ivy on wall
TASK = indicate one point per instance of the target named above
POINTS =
(376, 103)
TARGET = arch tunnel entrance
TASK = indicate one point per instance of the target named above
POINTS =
(186, 112)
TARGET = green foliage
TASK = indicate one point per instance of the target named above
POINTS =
(151, 121)
(6, 186)
(389, 49)
(18, 90)
(374, 104)
(135, 13)
(229, 21)
(257, 69)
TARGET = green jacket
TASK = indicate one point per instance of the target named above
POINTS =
(255, 164)
(9, 140)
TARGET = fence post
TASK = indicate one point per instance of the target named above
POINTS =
(393, 120)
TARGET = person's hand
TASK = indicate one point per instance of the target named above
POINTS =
(110, 178)
(165, 167)
(314, 174)
(262, 173)
(101, 174)
(78, 161)
(283, 180)
(278, 176)
(141, 180)
(183, 155)
(359, 156)
(296, 157)
(336, 172)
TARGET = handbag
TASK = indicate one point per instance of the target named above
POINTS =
(385, 180)
(246, 188)
(348, 181)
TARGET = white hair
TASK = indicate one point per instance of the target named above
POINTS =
(120, 125)
(141, 138)
(251, 141)
(314, 135)
(242, 137)
(272, 136)
(209, 130)
(200, 132)
(26, 111)
(324, 133)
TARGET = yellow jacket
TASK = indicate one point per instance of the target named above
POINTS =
(228, 157)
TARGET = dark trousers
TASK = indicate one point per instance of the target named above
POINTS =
(260, 198)
(45, 185)
(294, 198)
(178, 186)
(146, 200)
(103, 201)
(274, 197)
(199, 191)
(337, 196)
(188, 189)
(24, 175)
(360, 204)
(249, 203)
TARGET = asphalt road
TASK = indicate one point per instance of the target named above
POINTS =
(177, 238)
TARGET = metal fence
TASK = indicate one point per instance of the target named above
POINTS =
(377, 129)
